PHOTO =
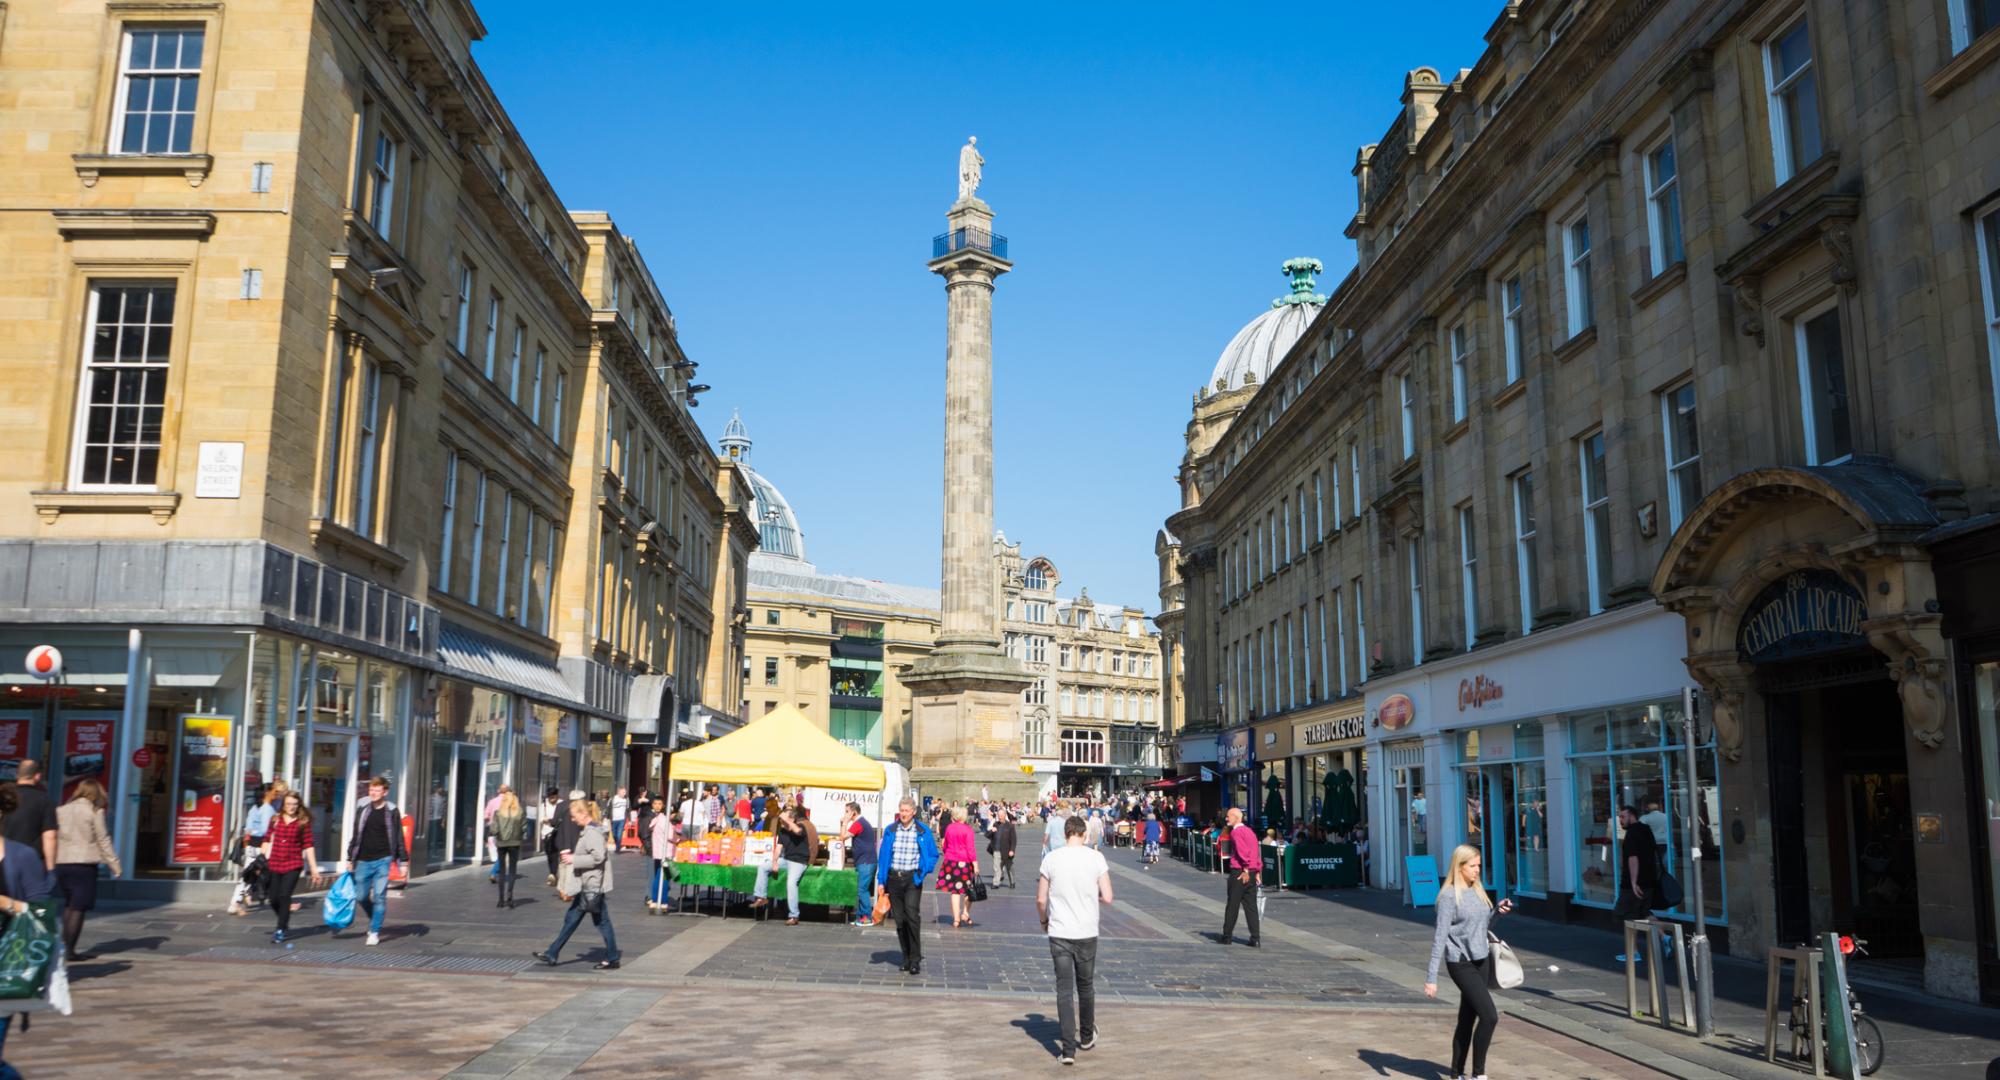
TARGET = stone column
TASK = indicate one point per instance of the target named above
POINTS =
(964, 696)
(969, 618)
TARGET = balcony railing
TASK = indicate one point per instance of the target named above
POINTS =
(977, 239)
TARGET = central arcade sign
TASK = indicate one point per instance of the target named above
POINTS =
(1805, 613)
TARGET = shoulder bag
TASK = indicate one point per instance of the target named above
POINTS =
(1504, 972)
(975, 891)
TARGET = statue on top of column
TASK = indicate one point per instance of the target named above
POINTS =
(969, 164)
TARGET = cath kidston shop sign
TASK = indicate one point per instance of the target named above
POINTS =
(201, 778)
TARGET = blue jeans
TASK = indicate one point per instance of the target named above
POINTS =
(864, 895)
(793, 872)
(573, 918)
(371, 890)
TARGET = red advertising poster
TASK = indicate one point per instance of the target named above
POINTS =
(200, 780)
(86, 754)
(14, 735)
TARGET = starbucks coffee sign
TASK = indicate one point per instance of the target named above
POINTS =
(1802, 614)
(1327, 731)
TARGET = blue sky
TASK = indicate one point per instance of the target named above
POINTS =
(784, 167)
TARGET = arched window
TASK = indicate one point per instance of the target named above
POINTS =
(1037, 576)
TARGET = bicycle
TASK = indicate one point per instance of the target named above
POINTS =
(1869, 1049)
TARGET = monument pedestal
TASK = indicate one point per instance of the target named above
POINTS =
(965, 720)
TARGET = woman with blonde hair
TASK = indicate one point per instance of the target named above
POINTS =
(1463, 914)
(508, 830)
(83, 843)
(959, 867)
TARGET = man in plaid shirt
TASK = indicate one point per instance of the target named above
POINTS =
(909, 853)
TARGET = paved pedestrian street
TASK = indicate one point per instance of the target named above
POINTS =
(451, 991)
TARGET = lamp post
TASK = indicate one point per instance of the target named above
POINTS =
(1693, 701)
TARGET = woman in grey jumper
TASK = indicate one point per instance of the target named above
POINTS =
(590, 861)
(1463, 914)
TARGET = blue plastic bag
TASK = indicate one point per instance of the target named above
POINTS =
(337, 912)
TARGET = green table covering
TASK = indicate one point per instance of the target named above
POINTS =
(834, 888)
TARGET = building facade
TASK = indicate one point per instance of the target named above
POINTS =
(1091, 721)
(1660, 369)
(308, 504)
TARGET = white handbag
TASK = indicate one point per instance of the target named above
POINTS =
(1507, 973)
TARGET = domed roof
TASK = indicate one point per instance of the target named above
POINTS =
(777, 527)
(1257, 348)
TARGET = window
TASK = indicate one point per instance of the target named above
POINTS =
(380, 196)
(461, 339)
(1340, 641)
(1271, 541)
(1147, 667)
(1663, 206)
(367, 424)
(770, 616)
(1035, 735)
(1360, 636)
(1823, 388)
(1282, 528)
(1326, 682)
(1068, 705)
(1319, 505)
(450, 511)
(1354, 473)
(771, 672)
(1097, 704)
(159, 78)
(556, 406)
(1063, 657)
(1633, 754)
(1082, 747)
(1576, 280)
(478, 539)
(535, 391)
(501, 565)
(527, 568)
(1257, 554)
(1988, 233)
(1468, 574)
(1287, 660)
(1683, 446)
(1458, 379)
(1037, 578)
(1415, 555)
(1299, 523)
(1596, 518)
(1793, 90)
(1970, 19)
(1037, 611)
(1513, 337)
(492, 331)
(1038, 649)
(514, 362)
(127, 349)
(1305, 657)
(1524, 547)
(1118, 705)
(1407, 392)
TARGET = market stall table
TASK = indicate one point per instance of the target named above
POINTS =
(819, 885)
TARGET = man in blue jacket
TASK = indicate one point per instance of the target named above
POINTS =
(909, 853)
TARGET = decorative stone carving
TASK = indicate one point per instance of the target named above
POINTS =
(1726, 681)
(1839, 245)
(1749, 309)
(1914, 644)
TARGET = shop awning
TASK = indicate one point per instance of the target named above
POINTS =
(1172, 782)
(642, 710)
(780, 747)
(483, 659)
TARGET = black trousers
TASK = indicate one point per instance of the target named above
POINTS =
(550, 850)
(1476, 1015)
(1007, 868)
(279, 888)
(507, 867)
(1242, 894)
(906, 906)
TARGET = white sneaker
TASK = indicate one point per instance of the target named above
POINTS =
(374, 939)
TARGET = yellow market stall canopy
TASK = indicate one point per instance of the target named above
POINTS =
(780, 747)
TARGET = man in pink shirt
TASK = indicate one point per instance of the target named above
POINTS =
(1245, 859)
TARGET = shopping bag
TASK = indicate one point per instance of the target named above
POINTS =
(1505, 972)
(337, 910)
(28, 952)
(881, 904)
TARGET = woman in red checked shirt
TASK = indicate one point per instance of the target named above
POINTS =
(290, 845)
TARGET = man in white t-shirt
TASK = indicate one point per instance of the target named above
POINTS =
(687, 817)
(1075, 879)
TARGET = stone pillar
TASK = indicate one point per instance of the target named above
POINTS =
(965, 718)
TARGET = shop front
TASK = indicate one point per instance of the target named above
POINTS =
(1846, 720)
(1328, 769)
(1276, 795)
(1526, 751)
(1969, 565)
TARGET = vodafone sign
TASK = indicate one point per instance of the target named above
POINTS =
(44, 662)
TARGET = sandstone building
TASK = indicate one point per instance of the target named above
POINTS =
(1669, 361)
(353, 451)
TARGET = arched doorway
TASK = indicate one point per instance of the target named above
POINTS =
(1813, 625)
